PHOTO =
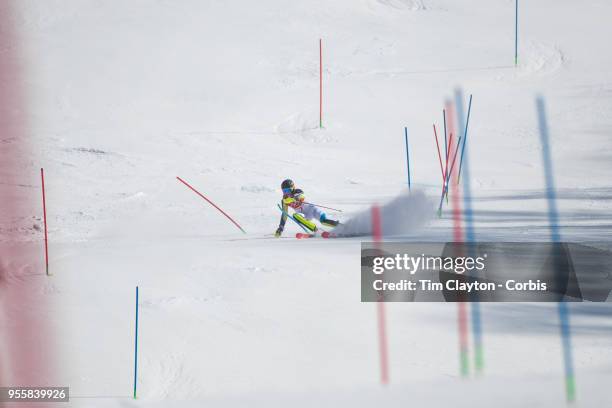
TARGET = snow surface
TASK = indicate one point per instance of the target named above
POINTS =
(125, 96)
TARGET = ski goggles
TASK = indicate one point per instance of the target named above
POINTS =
(288, 190)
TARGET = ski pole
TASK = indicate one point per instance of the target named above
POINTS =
(322, 206)
(293, 219)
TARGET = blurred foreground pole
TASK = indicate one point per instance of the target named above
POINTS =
(469, 227)
(462, 316)
(553, 219)
(459, 94)
(44, 202)
(380, 305)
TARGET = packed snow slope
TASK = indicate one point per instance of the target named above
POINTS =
(125, 96)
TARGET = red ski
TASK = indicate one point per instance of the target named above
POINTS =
(324, 234)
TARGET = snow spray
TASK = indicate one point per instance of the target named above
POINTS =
(403, 215)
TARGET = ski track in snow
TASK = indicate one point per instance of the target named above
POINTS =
(536, 59)
(395, 5)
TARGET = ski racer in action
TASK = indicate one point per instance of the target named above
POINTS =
(304, 212)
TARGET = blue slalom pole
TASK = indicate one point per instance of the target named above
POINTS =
(465, 132)
(407, 156)
(551, 195)
(469, 229)
(516, 33)
(555, 235)
(136, 347)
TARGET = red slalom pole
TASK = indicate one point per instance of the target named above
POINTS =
(320, 83)
(376, 225)
(382, 338)
(462, 314)
(382, 329)
(44, 200)
(211, 203)
(462, 317)
(439, 156)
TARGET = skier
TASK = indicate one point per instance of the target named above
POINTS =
(304, 212)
